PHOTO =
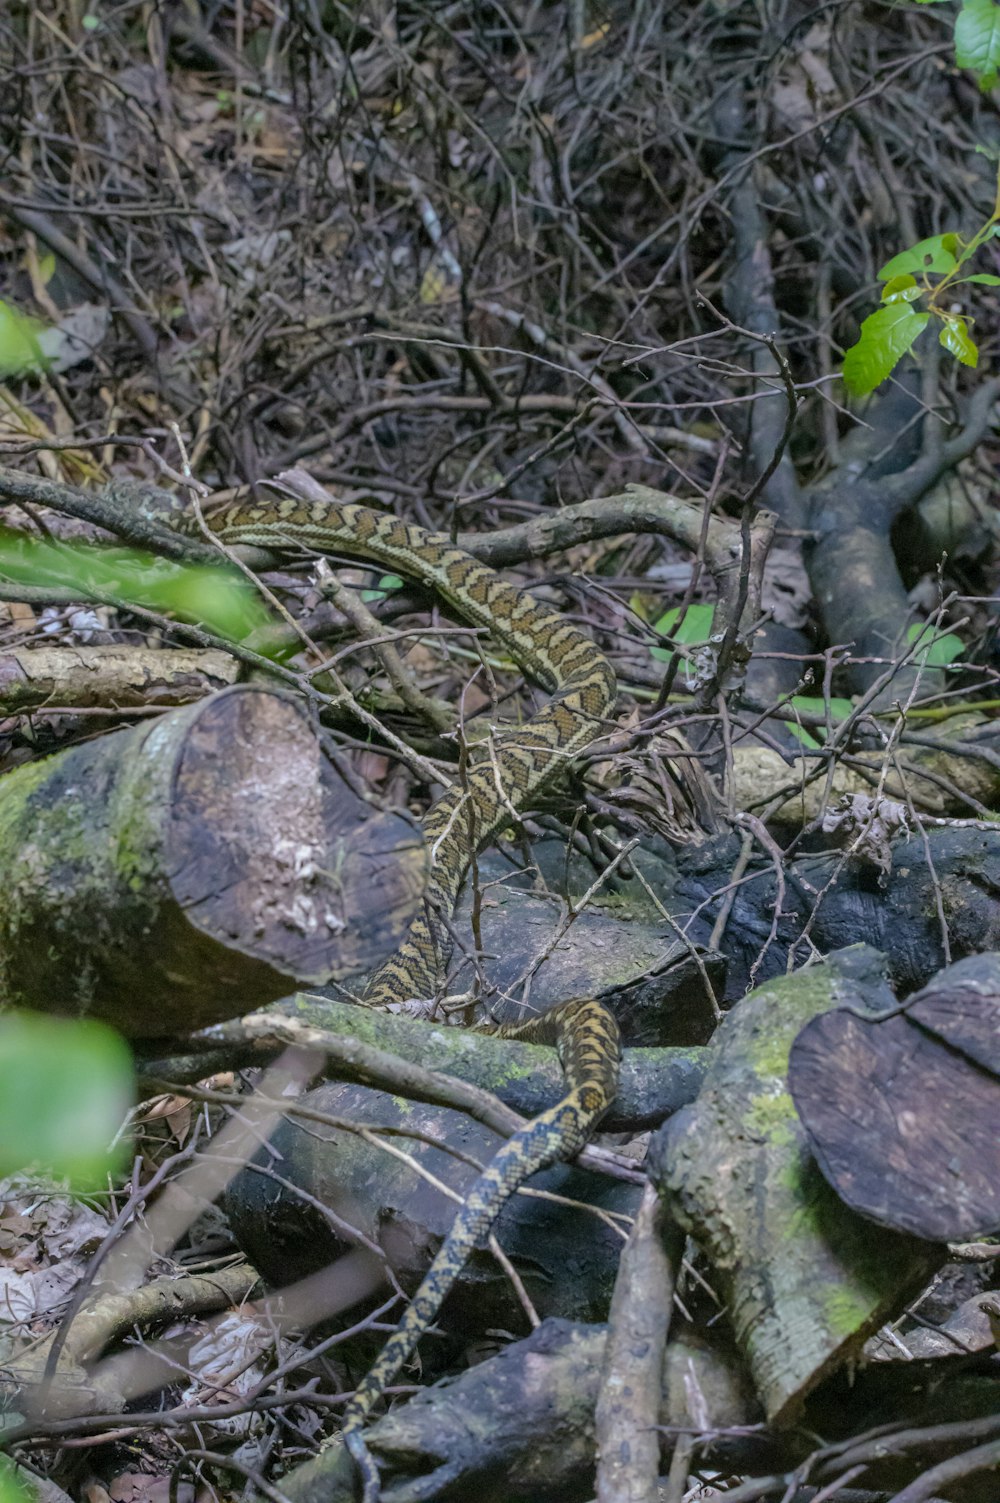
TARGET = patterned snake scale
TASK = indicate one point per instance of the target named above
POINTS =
(523, 758)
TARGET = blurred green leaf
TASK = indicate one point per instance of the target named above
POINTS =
(19, 348)
(216, 598)
(940, 649)
(984, 278)
(65, 1087)
(809, 704)
(695, 628)
(977, 40)
(11, 1490)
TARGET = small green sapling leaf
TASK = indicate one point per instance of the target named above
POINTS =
(977, 40)
(886, 335)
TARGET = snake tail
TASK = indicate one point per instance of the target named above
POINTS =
(589, 1044)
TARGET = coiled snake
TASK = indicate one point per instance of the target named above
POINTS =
(522, 758)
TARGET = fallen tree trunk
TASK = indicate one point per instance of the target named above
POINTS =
(44, 678)
(187, 870)
(519, 1428)
(804, 1279)
(943, 882)
(526, 1077)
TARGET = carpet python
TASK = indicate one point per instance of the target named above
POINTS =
(522, 758)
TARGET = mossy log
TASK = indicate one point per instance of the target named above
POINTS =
(519, 1428)
(566, 1250)
(903, 1110)
(806, 1280)
(192, 868)
(652, 1084)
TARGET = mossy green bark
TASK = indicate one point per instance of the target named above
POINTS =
(527, 1077)
(806, 1280)
(193, 868)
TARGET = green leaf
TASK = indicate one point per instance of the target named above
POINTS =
(956, 339)
(91, 23)
(801, 734)
(809, 704)
(936, 254)
(977, 40)
(984, 278)
(903, 289)
(386, 583)
(886, 335)
(65, 1088)
(940, 649)
(19, 348)
(11, 1490)
(216, 598)
(695, 629)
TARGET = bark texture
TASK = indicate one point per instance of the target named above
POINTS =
(186, 871)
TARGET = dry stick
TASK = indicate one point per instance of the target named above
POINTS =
(516, 1282)
(573, 911)
(726, 906)
(680, 1467)
(670, 673)
(226, 1461)
(628, 1407)
(639, 509)
(760, 833)
(684, 938)
(966, 1464)
(806, 932)
(349, 1280)
(181, 1202)
(369, 629)
(624, 422)
(112, 1316)
(391, 1072)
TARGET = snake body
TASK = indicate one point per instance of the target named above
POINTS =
(521, 760)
